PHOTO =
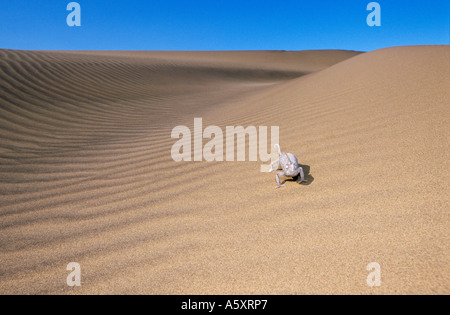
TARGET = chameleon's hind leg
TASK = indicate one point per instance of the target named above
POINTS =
(278, 180)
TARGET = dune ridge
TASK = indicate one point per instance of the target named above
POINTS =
(87, 176)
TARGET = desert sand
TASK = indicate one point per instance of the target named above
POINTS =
(86, 173)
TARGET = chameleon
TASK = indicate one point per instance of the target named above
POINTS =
(289, 164)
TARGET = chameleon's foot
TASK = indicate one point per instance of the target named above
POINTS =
(279, 186)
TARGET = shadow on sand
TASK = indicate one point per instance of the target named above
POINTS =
(308, 177)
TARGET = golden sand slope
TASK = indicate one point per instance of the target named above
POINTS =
(86, 173)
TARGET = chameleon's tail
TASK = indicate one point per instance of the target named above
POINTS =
(279, 148)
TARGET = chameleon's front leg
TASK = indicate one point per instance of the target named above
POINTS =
(278, 180)
(302, 176)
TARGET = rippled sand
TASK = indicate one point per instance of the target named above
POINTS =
(86, 173)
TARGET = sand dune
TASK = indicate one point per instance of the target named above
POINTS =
(86, 173)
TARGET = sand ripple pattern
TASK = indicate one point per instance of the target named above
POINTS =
(86, 173)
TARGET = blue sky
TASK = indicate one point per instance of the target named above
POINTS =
(222, 25)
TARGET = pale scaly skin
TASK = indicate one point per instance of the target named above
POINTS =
(289, 164)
